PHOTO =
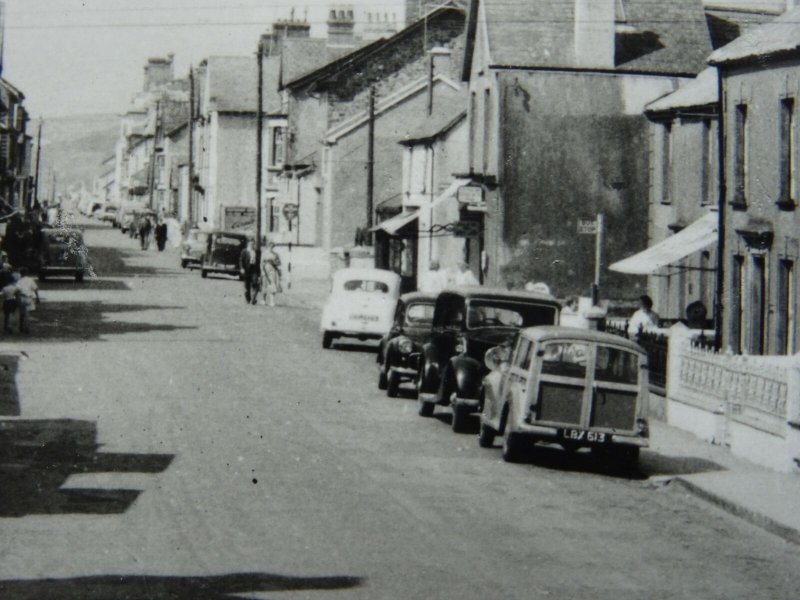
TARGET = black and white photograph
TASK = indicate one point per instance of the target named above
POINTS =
(400, 299)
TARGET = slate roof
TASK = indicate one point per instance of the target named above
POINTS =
(700, 91)
(660, 37)
(727, 24)
(301, 56)
(443, 119)
(233, 84)
(779, 36)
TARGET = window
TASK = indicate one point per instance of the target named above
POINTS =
(277, 151)
(616, 366)
(708, 161)
(666, 162)
(365, 285)
(522, 359)
(787, 155)
(740, 166)
(737, 285)
(758, 310)
(487, 129)
(565, 359)
(419, 314)
(786, 307)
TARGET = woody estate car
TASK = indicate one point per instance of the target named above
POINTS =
(466, 323)
(361, 304)
(400, 349)
(577, 388)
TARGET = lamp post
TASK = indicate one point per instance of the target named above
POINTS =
(260, 142)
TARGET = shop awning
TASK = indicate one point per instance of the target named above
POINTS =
(700, 234)
(396, 223)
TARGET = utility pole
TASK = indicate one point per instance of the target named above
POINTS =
(38, 163)
(259, 149)
(152, 174)
(190, 209)
(371, 164)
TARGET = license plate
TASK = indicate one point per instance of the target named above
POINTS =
(365, 318)
(581, 435)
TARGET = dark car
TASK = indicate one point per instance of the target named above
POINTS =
(223, 249)
(466, 323)
(400, 349)
(62, 252)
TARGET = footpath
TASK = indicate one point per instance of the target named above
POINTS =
(763, 497)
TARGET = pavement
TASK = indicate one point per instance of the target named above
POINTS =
(762, 497)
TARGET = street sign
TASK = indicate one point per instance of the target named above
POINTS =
(290, 211)
(587, 226)
(471, 195)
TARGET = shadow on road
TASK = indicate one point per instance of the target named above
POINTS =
(70, 321)
(9, 396)
(38, 456)
(109, 261)
(143, 587)
(90, 283)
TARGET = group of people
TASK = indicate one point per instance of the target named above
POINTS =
(20, 294)
(435, 280)
(146, 229)
(262, 279)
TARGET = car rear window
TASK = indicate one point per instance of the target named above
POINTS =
(490, 313)
(366, 285)
(419, 313)
(616, 365)
(565, 359)
(228, 241)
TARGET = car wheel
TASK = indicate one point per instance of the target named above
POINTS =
(203, 273)
(79, 276)
(460, 419)
(184, 264)
(393, 384)
(512, 448)
(327, 339)
(426, 408)
(486, 436)
(382, 380)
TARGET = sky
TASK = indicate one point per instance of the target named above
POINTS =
(87, 56)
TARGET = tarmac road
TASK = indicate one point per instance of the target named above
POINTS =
(205, 449)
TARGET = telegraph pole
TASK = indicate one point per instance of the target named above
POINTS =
(38, 163)
(190, 209)
(152, 174)
(371, 164)
(259, 149)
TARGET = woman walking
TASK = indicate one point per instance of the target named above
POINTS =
(270, 273)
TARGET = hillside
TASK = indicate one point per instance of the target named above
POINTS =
(76, 146)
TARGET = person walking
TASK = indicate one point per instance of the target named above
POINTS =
(8, 292)
(247, 264)
(28, 298)
(145, 229)
(161, 234)
(270, 273)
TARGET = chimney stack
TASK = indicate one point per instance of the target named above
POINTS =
(595, 33)
(341, 25)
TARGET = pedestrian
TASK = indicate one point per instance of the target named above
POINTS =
(145, 229)
(270, 273)
(434, 280)
(161, 234)
(9, 294)
(644, 318)
(27, 297)
(247, 264)
(465, 276)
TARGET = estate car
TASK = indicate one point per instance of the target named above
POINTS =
(222, 253)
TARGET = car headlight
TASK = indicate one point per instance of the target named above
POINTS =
(405, 345)
(461, 346)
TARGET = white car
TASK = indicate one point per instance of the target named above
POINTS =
(361, 305)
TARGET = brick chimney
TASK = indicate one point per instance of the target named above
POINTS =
(158, 72)
(341, 25)
(594, 31)
(282, 29)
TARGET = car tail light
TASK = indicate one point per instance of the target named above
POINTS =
(642, 428)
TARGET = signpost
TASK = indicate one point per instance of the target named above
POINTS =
(594, 227)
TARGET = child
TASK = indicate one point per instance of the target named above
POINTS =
(9, 295)
(28, 297)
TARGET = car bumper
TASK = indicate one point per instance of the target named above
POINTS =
(467, 404)
(404, 371)
(546, 433)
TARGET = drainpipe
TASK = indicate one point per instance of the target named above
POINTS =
(721, 207)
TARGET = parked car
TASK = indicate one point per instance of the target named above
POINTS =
(572, 387)
(222, 252)
(126, 216)
(466, 323)
(361, 304)
(192, 248)
(108, 214)
(400, 349)
(136, 216)
(62, 252)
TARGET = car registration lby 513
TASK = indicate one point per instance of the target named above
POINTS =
(582, 435)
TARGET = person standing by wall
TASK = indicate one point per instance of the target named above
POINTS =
(643, 319)
(145, 229)
(161, 234)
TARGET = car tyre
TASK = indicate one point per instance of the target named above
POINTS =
(460, 421)
(203, 273)
(184, 263)
(486, 436)
(79, 276)
(382, 379)
(512, 448)
(327, 339)
(426, 408)
(393, 384)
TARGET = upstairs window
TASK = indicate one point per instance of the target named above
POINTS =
(787, 197)
(740, 157)
(666, 163)
(708, 149)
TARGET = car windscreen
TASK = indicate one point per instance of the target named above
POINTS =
(228, 241)
(498, 313)
(366, 285)
(419, 314)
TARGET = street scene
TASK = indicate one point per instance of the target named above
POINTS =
(409, 299)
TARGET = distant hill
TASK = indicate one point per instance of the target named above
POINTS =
(76, 146)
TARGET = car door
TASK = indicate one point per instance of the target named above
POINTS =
(515, 381)
(563, 390)
(448, 327)
(615, 390)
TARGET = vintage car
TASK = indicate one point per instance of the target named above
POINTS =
(361, 304)
(192, 248)
(400, 349)
(127, 215)
(466, 323)
(222, 252)
(573, 387)
(62, 252)
(108, 214)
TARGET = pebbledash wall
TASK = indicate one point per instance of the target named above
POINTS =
(749, 403)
